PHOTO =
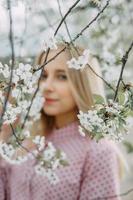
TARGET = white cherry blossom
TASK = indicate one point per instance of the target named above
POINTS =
(81, 62)
(81, 131)
(107, 120)
(4, 69)
(11, 114)
(26, 133)
(39, 141)
(23, 71)
(49, 152)
(50, 42)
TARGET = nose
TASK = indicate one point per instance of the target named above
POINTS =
(47, 85)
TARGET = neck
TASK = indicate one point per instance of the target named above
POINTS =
(63, 120)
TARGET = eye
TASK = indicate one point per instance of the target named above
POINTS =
(62, 77)
(44, 76)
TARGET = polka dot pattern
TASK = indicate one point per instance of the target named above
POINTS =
(2, 184)
(92, 172)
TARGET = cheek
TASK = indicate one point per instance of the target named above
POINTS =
(63, 90)
(67, 98)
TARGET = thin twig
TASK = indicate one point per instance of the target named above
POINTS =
(124, 61)
(42, 67)
(77, 36)
(82, 8)
(59, 6)
(19, 143)
(101, 78)
(91, 22)
(34, 95)
(12, 62)
(11, 40)
(78, 52)
(66, 26)
(114, 196)
(69, 11)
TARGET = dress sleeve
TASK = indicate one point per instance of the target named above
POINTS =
(100, 175)
(4, 192)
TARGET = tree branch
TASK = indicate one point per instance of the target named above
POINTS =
(77, 36)
(91, 22)
(70, 9)
(124, 61)
(12, 62)
(42, 67)
(59, 6)
(114, 196)
(19, 143)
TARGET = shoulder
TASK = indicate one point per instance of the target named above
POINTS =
(93, 147)
(103, 153)
(102, 146)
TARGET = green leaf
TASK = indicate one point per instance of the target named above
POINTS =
(98, 136)
(129, 146)
(130, 113)
(98, 99)
(64, 162)
(58, 153)
(121, 98)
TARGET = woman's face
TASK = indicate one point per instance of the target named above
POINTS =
(59, 100)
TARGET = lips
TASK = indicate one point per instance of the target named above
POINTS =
(48, 100)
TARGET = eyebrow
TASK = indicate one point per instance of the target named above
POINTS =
(58, 70)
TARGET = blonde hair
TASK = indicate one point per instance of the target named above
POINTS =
(84, 83)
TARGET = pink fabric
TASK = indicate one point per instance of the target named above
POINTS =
(92, 173)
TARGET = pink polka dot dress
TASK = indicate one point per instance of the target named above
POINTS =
(92, 174)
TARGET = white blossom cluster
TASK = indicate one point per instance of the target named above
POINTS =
(97, 2)
(39, 141)
(7, 151)
(105, 120)
(81, 62)
(50, 174)
(49, 159)
(24, 84)
(108, 43)
(36, 106)
(50, 42)
(11, 114)
(4, 70)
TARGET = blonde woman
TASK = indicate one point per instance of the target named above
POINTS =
(94, 168)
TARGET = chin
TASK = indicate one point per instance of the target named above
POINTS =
(50, 112)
